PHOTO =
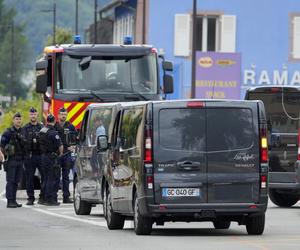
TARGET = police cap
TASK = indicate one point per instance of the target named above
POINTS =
(50, 118)
(18, 114)
(32, 110)
(62, 110)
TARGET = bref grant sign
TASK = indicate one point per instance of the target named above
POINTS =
(218, 75)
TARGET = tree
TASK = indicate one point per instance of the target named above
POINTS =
(23, 107)
(62, 36)
(14, 53)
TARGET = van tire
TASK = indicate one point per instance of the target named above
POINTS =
(221, 224)
(81, 207)
(283, 200)
(142, 224)
(113, 220)
(255, 225)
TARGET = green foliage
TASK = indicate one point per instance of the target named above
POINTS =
(62, 36)
(23, 107)
(14, 53)
(38, 17)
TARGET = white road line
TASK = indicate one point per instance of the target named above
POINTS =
(128, 224)
(60, 208)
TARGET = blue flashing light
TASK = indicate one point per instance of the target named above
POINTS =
(127, 40)
(77, 39)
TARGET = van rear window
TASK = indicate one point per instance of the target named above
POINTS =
(229, 129)
(182, 129)
(278, 110)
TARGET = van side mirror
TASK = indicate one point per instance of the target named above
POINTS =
(167, 66)
(168, 84)
(102, 143)
(71, 138)
(41, 83)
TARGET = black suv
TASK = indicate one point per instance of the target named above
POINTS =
(186, 160)
(282, 106)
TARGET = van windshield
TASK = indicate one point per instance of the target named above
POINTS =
(278, 110)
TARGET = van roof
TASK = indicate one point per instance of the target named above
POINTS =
(273, 88)
(124, 104)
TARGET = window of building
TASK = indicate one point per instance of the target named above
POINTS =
(123, 26)
(295, 36)
(207, 37)
(214, 33)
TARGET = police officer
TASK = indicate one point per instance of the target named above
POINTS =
(32, 155)
(12, 146)
(51, 147)
(66, 162)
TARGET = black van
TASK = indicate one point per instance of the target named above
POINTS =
(186, 160)
(282, 106)
(98, 120)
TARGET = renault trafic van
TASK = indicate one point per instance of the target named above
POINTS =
(186, 160)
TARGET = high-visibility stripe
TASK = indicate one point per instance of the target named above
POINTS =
(67, 105)
(70, 106)
(79, 113)
(74, 110)
(79, 119)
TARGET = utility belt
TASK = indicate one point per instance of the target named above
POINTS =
(16, 158)
(52, 155)
(31, 153)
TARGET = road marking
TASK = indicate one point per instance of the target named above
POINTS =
(91, 221)
(60, 208)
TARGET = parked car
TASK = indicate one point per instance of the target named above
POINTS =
(186, 160)
(282, 106)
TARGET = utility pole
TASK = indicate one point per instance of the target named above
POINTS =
(12, 69)
(144, 23)
(76, 18)
(54, 23)
(95, 23)
(194, 49)
(54, 20)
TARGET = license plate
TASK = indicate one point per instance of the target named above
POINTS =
(181, 192)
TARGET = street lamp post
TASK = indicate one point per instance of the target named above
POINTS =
(76, 18)
(54, 20)
(95, 21)
(194, 49)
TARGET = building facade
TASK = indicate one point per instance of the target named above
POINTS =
(263, 35)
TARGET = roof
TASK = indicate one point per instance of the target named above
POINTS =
(271, 87)
(101, 49)
(136, 103)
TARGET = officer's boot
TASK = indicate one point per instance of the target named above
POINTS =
(18, 204)
(11, 204)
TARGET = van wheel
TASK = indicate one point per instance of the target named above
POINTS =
(283, 200)
(113, 219)
(221, 224)
(81, 207)
(255, 225)
(142, 225)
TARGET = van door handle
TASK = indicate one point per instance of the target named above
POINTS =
(189, 165)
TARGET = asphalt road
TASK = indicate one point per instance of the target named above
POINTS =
(41, 227)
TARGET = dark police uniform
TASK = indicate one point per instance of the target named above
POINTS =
(66, 162)
(13, 144)
(50, 143)
(32, 159)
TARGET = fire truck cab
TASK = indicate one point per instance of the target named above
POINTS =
(75, 75)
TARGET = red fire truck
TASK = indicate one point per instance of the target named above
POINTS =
(75, 75)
